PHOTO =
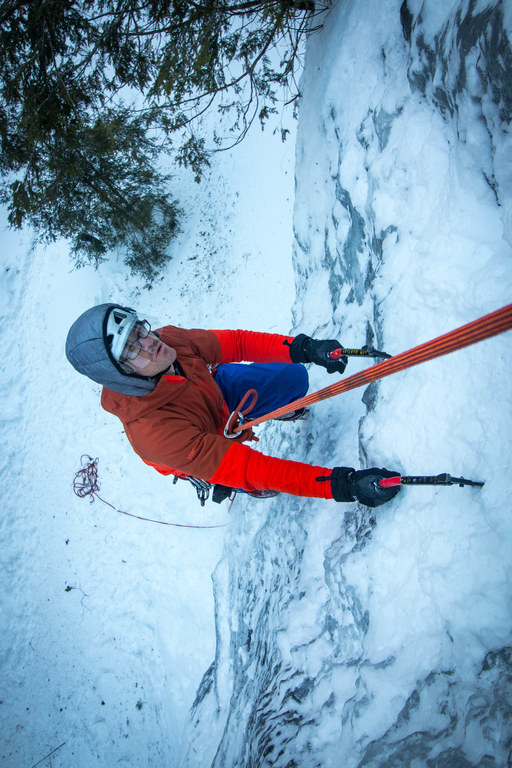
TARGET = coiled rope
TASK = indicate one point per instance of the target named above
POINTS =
(86, 484)
(478, 330)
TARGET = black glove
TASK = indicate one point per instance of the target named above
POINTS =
(348, 484)
(304, 349)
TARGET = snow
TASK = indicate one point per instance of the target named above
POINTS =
(326, 630)
(138, 623)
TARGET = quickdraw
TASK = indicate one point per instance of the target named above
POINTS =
(202, 487)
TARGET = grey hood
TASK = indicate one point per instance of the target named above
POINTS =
(89, 353)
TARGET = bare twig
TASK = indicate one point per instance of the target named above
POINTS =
(48, 755)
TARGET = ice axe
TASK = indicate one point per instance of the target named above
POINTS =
(365, 351)
(443, 479)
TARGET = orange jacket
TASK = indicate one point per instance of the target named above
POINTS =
(179, 426)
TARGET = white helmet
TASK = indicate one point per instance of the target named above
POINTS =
(120, 322)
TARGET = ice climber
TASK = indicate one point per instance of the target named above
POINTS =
(173, 390)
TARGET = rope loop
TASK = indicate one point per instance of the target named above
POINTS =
(86, 479)
(236, 417)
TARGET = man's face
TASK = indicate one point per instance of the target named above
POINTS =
(153, 356)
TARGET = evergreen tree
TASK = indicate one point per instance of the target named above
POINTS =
(95, 185)
(75, 160)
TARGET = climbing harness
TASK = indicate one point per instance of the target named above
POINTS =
(86, 484)
(471, 333)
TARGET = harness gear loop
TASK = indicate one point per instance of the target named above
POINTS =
(484, 328)
(236, 417)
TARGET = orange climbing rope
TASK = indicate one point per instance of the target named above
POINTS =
(478, 330)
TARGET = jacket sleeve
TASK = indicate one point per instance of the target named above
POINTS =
(219, 460)
(251, 346)
(242, 467)
(177, 445)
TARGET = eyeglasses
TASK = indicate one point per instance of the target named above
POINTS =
(132, 348)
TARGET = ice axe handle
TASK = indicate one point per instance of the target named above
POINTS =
(365, 351)
(443, 479)
(390, 482)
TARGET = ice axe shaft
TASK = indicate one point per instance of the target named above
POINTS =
(365, 351)
(443, 479)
